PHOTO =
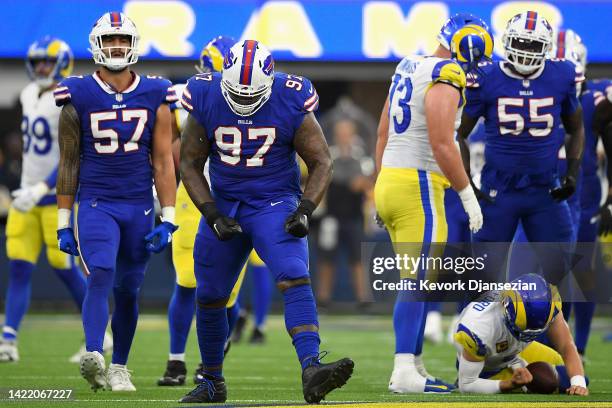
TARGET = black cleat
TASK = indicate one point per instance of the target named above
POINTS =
(210, 389)
(198, 376)
(238, 329)
(257, 337)
(175, 374)
(320, 379)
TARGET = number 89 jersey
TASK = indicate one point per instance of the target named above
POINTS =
(408, 145)
(116, 134)
(252, 158)
(40, 118)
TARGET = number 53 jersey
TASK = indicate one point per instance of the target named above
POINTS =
(116, 134)
(252, 158)
(408, 145)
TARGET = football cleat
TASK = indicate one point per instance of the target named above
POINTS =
(238, 329)
(198, 376)
(403, 381)
(210, 389)
(8, 351)
(257, 337)
(107, 346)
(119, 379)
(320, 379)
(93, 367)
(175, 374)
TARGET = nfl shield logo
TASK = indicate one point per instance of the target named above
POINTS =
(119, 97)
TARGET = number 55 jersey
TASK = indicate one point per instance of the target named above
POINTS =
(252, 158)
(116, 134)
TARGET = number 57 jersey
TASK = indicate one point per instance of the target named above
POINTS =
(408, 145)
(252, 158)
(116, 134)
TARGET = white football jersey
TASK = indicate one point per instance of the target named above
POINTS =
(408, 145)
(39, 126)
(181, 116)
(481, 331)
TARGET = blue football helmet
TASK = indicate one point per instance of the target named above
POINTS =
(213, 53)
(529, 313)
(51, 50)
(468, 38)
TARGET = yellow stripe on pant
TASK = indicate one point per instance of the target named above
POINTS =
(187, 218)
(411, 204)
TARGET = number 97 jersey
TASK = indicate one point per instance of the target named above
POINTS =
(408, 145)
(252, 158)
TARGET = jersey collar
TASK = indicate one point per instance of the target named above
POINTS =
(110, 90)
(512, 74)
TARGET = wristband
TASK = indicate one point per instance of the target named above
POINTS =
(467, 194)
(578, 381)
(167, 214)
(63, 218)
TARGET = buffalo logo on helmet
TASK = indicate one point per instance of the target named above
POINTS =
(268, 65)
(229, 59)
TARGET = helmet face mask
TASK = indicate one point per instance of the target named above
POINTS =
(527, 42)
(247, 78)
(49, 60)
(111, 26)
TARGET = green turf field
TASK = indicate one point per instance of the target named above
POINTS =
(268, 374)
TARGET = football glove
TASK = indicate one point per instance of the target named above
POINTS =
(605, 217)
(297, 223)
(26, 198)
(225, 228)
(160, 237)
(471, 207)
(568, 187)
(66, 241)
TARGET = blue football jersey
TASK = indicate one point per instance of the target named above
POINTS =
(252, 158)
(594, 94)
(116, 134)
(523, 115)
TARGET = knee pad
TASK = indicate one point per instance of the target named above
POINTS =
(100, 278)
(209, 298)
(300, 306)
(290, 268)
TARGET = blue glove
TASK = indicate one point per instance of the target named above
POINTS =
(160, 237)
(66, 241)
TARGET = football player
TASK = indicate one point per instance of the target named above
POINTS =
(32, 219)
(416, 156)
(495, 340)
(115, 139)
(251, 121)
(524, 100)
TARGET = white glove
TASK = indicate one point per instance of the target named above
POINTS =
(26, 198)
(471, 207)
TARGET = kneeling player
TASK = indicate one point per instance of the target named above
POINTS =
(495, 341)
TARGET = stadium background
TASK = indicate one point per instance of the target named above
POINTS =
(348, 48)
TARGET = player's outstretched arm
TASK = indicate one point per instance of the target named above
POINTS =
(310, 144)
(68, 175)
(441, 104)
(561, 338)
(161, 158)
(382, 133)
(195, 148)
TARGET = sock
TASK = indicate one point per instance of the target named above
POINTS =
(120, 366)
(583, 315)
(180, 315)
(421, 333)
(75, 282)
(232, 317)
(420, 367)
(95, 308)
(300, 309)
(408, 319)
(262, 294)
(176, 357)
(123, 323)
(17, 296)
(212, 327)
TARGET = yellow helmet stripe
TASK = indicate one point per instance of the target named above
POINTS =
(53, 48)
(555, 304)
(519, 307)
(473, 29)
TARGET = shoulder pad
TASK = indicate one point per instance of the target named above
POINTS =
(448, 72)
(299, 90)
(63, 91)
(165, 87)
(196, 88)
(470, 342)
(567, 68)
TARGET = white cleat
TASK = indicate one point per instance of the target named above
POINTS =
(119, 379)
(8, 351)
(405, 381)
(433, 327)
(107, 346)
(93, 369)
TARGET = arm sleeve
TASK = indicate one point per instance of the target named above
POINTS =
(51, 179)
(470, 381)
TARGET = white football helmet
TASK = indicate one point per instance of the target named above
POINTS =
(247, 78)
(527, 41)
(114, 23)
(568, 45)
